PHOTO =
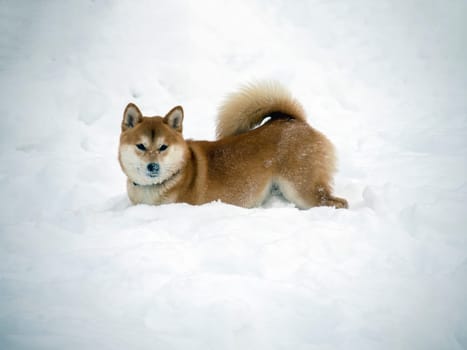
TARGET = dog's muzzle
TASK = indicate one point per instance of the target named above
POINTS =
(153, 169)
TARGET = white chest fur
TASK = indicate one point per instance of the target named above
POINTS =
(153, 195)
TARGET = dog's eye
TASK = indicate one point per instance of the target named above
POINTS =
(162, 148)
(141, 147)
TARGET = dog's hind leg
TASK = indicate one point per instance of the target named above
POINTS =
(324, 197)
(307, 196)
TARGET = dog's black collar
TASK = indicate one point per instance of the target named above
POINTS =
(162, 183)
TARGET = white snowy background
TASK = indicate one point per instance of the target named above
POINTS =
(80, 268)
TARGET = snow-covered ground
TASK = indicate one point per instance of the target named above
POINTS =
(80, 268)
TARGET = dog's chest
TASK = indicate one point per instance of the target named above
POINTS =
(152, 195)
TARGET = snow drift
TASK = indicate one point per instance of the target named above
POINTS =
(82, 269)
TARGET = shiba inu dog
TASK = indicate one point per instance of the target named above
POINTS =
(241, 166)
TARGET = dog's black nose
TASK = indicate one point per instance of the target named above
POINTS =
(153, 167)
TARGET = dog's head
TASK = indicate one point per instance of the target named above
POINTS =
(152, 149)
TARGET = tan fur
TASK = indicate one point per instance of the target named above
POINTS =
(239, 168)
(246, 108)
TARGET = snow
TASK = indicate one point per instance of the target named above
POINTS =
(83, 269)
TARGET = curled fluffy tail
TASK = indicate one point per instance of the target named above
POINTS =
(246, 108)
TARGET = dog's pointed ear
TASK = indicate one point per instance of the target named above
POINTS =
(131, 117)
(175, 118)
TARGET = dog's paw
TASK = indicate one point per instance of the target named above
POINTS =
(338, 203)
